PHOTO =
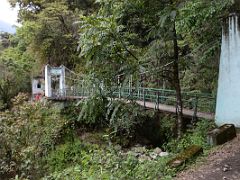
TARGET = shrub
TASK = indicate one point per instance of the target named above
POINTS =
(92, 162)
(27, 132)
(195, 136)
(92, 111)
(124, 118)
(120, 117)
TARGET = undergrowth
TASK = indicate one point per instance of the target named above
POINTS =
(38, 140)
(196, 136)
(28, 132)
(93, 162)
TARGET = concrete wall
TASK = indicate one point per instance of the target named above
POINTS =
(35, 89)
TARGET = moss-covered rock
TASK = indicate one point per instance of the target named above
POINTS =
(186, 155)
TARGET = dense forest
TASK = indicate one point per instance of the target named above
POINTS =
(170, 44)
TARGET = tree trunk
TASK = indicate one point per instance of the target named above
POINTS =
(176, 83)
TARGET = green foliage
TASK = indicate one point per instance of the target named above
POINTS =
(200, 25)
(14, 74)
(197, 136)
(27, 133)
(93, 110)
(15, 68)
(93, 162)
(121, 118)
(124, 118)
(65, 155)
(4, 40)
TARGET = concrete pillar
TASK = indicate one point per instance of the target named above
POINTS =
(228, 95)
(48, 88)
(62, 84)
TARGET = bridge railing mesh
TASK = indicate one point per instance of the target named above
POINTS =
(191, 100)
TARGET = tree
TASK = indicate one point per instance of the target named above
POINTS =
(30, 8)
(168, 19)
(52, 36)
(15, 68)
(104, 39)
(163, 38)
(4, 40)
(104, 44)
(200, 26)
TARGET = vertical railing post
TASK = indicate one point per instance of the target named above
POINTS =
(120, 94)
(83, 88)
(144, 98)
(195, 103)
(130, 85)
(138, 93)
(157, 100)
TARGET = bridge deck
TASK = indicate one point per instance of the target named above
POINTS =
(172, 109)
(150, 105)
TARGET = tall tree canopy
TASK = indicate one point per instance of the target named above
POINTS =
(166, 43)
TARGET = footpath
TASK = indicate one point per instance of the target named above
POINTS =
(222, 163)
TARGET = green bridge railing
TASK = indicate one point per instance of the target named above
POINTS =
(198, 102)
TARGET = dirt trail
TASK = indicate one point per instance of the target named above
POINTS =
(223, 163)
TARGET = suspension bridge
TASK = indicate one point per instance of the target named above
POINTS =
(62, 84)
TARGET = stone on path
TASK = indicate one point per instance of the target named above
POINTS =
(221, 135)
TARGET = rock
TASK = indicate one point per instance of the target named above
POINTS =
(221, 135)
(176, 163)
(186, 155)
(218, 169)
(157, 150)
(144, 158)
(163, 154)
(226, 168)
(153, 155)
(139, 149)
(132, 153)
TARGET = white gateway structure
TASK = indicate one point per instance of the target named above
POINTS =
(55, 81)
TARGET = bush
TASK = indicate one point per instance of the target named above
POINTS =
(124, 118)
(92, 111)
(27, 132)
(120, 117)
(197, 136)
(92, 162)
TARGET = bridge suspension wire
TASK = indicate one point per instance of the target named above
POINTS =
(77, 86)
(159, 69)
(71, 71)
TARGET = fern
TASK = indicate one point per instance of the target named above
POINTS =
(93, 110)
(120, 117)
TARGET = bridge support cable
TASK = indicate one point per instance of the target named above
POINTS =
(76, 86)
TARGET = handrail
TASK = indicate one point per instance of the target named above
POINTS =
(196, 101)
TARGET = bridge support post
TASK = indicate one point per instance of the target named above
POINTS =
(48, 82)
(62, 81)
